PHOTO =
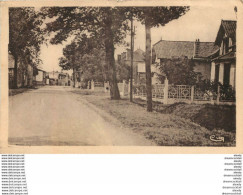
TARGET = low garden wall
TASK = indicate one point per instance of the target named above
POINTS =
(168, 94)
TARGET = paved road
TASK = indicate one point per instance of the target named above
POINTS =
(52, 115)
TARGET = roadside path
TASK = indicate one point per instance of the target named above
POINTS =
(52, 115)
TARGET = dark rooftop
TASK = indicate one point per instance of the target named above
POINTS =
(229, 28)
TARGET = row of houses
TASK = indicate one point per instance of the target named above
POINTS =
(216, 61)
(28, 76)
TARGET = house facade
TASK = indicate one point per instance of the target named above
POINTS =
(53, 77)
(58, 78)
(63, 79)
(223, 66)
(138, 61)
(139, 73)
(24, 73)
(10, 71)
(197, 51)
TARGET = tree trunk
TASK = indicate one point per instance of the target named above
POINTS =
(22, 77)
(110, 60)
(74, 79)
(148, 67)
(28, 76)
(15, 84)
(131, 76)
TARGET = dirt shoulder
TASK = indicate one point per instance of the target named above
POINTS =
(165, 129)
(220, 117)
(12, 92)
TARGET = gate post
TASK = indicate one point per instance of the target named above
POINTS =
(166, 91)
(92, 85)
(218, 95)
(124, 88)
(192, 93)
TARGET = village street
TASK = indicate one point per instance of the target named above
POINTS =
(112, 79)
(52, 115)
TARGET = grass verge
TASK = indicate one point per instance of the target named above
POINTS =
(12, 92)
(165, 129)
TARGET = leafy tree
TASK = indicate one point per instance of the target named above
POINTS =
(93, 67)
(70, 59)
(154, 17)
(25, 37)
(104, 23)
(123, 71)
(110, 25)
(82, 54)
(179, 71)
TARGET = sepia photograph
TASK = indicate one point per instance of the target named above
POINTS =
(122, 76)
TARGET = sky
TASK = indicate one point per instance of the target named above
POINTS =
(198, 23)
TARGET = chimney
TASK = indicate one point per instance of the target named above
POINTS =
(196, 47)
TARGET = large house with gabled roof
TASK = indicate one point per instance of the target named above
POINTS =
(223, 65)
(138, 63)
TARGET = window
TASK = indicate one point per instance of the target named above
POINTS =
(216, 79)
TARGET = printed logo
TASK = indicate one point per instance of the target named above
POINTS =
(215, 138)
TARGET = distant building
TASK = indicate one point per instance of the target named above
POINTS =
(63, 79)
(58, 78)
(138, 64)
(53, 77)
(223, 65)
(40, 77)
(24, 75)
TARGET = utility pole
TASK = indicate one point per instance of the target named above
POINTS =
(132, 48)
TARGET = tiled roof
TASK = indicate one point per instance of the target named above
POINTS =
(228, 56)
(228, 27)
(206, 49)
(169, 49)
